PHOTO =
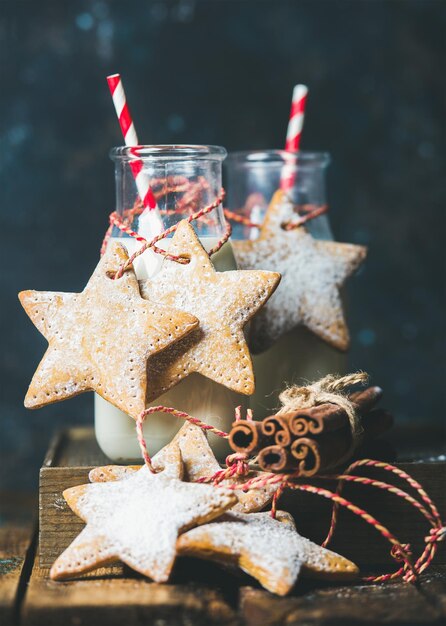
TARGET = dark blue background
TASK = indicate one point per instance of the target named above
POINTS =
(222, 72)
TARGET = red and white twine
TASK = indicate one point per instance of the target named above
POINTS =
(189, 203)
(240, 465)
(121, 223)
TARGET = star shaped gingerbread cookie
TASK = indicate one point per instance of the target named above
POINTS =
(138, 520)
(223, 302)
(199, 462)
(313, 271)
(100, 339)
(270, 550)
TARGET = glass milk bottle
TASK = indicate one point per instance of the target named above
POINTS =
(184, 179)
(252, 178)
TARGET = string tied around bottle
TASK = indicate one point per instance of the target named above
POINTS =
(190, 201)
(168, 231)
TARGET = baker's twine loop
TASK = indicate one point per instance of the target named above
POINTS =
(122, 222)
(193, 192)
(171, 411)
(151, 244)
(239, 465)
(401, 552)
(312, 212)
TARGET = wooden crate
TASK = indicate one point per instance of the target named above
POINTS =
(70, 457)
(115, 596)
(75, 452)
(208, 596)
(200, 593)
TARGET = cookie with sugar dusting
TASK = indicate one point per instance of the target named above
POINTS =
(100, 339)
(199, 462)
(138, 520)
(313, 271)
(270, 550)
(223, 302)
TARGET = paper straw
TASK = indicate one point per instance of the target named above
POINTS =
(296, 121)
(293, 135)
(150, 222)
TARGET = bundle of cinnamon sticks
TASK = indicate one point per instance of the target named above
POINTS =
(312, 440)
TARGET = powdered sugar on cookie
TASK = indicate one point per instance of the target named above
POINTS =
(268, 549)
(199, 462)
(222, 301)
(312, 273)
(137, 520)
(100, 339)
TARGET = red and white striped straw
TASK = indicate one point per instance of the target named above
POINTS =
(296, 121)
(131, 139)
(122, 110)
(294, 134)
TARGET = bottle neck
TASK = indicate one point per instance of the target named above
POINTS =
(253, 178)
(181, 189)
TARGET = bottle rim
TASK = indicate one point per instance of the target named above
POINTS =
(168, 152)
(273, 158)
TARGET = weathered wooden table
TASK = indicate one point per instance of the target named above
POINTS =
(200, 592)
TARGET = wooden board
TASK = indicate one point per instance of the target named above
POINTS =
(210, 596)
(17, 512)
(113, 596)
(14, 544)
(393, 603)
(74, 454)
(70, 457)
(200, 593)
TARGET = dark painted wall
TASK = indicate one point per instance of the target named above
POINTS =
(222, 72)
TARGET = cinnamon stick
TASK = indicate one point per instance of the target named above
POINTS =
(316, 419)
(367, 398)
(311, 439)
(327, 417)
(333, 446)
(307, 458)
(247, 436)
(303, 456)
(274, 459)
(277, 428)
(312, 455)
